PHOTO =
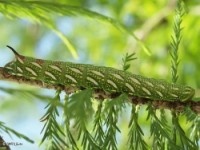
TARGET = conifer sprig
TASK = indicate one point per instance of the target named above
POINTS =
(126, 61)
(99, 134)
(159, 131)
(43, 12)
(135, 140)
(69, 139)
(80, 108)
(176, 39)
(135, 136)
(177, 130)
(110, 141)
(111, 111)
(52, 131)
(9, 131)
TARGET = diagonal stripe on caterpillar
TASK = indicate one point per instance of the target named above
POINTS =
(96, 77)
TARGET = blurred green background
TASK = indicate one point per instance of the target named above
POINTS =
(100, 44)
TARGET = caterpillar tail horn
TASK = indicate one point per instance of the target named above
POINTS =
(13, 50)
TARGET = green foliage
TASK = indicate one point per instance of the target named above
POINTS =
(99, 134)
(112, 110)
(29, 93)
(52, 130)
(186, 143)
(176, 39)
(80, 107)
(136, 134)
(42, 12)
(70, 139)
(194, 128)
(135, 140)
(126, 60)
(4, 128)
(159, 130)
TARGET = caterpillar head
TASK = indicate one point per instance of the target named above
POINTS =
(187, 93)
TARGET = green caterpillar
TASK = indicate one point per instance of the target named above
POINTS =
(97, 77)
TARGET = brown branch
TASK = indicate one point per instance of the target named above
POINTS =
(100, 94)
(178, 106)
